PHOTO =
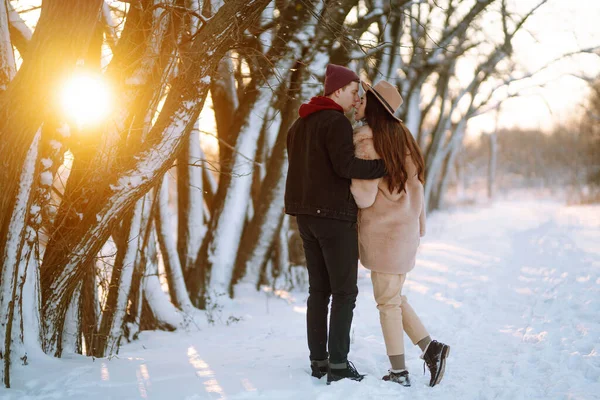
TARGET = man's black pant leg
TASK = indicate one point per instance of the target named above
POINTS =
(339, 243)
(319, 290)
(331, 248)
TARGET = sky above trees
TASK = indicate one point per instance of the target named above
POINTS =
(552, 96)
(557, 28)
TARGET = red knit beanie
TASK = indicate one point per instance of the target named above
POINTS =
(336, 77)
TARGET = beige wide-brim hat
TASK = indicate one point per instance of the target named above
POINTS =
(387, 94)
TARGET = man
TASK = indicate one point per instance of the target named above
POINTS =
(321, 166)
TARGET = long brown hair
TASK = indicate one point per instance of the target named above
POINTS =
(393, 142)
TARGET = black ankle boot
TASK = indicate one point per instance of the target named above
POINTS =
(349, 372)
(435, 359)
(318, 371)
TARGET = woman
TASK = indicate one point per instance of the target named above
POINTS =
(390, 224)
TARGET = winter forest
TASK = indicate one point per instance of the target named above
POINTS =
(142, 173)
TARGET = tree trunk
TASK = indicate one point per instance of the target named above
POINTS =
(52, 150)
(13, 266)
(209, 184)
(413, 111)
(87, 309)
(282, 278)
(177, 288)
(71, 335)
(20, 33)
(136, 296)
(111, 327)
(8, 67)
(165, 314)
(225, 102)
(190, 199)
(29, 306)
(435, 191)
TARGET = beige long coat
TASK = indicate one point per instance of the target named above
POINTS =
(390, 225)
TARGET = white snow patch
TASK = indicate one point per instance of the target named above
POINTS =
(64, 130)
(46, 178)
(46, 163)
(134, 181)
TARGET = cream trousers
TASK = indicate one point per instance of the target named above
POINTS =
(395, 314)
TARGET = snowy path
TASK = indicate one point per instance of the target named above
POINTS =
(514, 289)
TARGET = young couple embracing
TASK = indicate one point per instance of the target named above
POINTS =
(358, 194)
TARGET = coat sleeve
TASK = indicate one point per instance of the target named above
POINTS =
(364, 191)
(341, 153)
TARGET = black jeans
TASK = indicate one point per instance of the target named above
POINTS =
(331, 249)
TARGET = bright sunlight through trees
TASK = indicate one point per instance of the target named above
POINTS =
(86, 99)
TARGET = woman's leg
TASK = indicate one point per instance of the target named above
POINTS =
(386, 289)
(413, 326)
(434, 352)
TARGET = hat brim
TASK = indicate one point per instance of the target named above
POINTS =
(368, 88)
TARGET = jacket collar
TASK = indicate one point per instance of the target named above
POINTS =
(319, 103)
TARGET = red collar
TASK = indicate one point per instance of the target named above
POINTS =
(319, 103)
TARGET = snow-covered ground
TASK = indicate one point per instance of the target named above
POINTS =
(514, 288)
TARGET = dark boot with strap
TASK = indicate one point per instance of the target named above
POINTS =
(435, 358)
(350, 372)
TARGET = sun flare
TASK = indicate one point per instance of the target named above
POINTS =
(85, 99)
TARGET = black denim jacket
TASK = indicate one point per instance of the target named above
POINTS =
(321, 165)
